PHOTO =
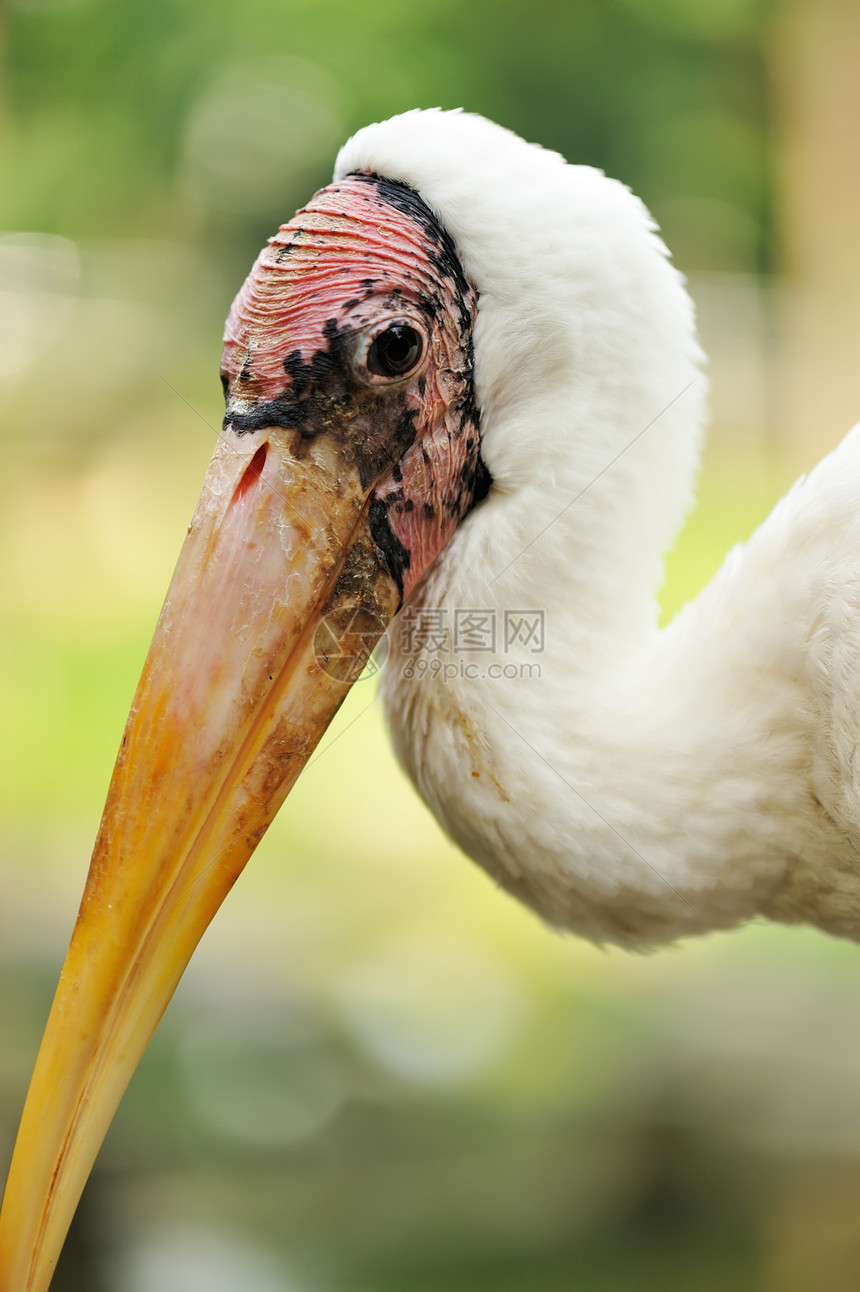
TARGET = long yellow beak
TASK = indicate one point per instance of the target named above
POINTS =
(277, 600)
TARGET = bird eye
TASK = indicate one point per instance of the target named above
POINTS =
(395, 352)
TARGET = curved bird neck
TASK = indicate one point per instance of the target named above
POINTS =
(632, 783)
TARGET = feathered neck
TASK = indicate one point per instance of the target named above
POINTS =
(629, 783)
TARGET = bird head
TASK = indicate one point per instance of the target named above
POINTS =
(355, 328)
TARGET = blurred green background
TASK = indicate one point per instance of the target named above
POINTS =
(380, 1074)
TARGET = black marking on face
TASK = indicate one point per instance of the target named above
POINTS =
(446, 261)
(376, 426)
(394, 555)
(444, 256)
(482, 482)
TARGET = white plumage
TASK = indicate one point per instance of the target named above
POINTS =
(648, 783)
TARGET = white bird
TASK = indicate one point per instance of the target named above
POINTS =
(464, 381)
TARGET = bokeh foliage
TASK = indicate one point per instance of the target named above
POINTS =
(379, 1074)
(668, 96)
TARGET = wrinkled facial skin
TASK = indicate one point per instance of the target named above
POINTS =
(364, 255)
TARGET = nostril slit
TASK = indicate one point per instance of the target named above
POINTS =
(252, 472)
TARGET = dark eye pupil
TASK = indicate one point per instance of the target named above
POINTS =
(395, 351)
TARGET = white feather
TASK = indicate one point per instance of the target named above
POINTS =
(647, 783)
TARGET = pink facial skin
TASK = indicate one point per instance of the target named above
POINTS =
(366, 254)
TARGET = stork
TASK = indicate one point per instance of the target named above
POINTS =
(464, 380)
